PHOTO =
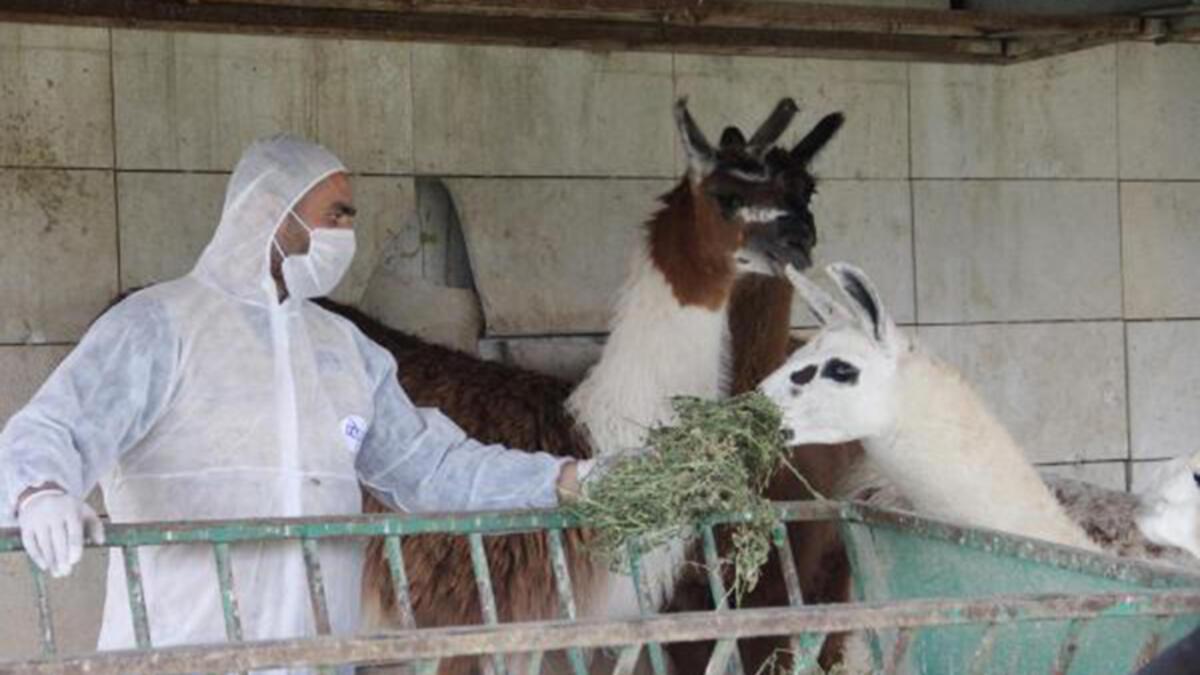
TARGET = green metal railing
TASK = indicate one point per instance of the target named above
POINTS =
(804, 626)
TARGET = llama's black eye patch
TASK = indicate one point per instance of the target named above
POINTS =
(804, 375)
(1196, 477)
(840, 371)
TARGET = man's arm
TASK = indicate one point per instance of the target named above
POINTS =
(100, 401)
(417, 459)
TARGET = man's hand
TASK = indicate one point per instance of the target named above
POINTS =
(568, 479)
(52, 528)
(575, 476)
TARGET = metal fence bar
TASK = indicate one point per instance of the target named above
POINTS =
(377, 525)
(1152, 644)
(681, 627)
(725, 657)
(428, 666)
(899, 650)
(806, 649)
(566, 595)
(137, 597)
(316, 585)
(658, 660)
(395, 559)
(535, 663)
(229, 604)
(1068, 648)
(487, 599)
(983, 653)
(45, 619)
(627, 661)
(722, 659)
(394, 552)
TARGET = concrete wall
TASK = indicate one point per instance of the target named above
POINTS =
(1037, 223)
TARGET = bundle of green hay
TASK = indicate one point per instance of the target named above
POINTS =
(717, 458)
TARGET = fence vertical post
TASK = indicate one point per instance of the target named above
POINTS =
(566, 595)
(45, 618)
(725, 657)
(137, 596)
(658, 660)
(487, 598)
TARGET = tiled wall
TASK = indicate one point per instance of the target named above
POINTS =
(1039, 223)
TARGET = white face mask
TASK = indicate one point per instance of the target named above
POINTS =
(315, 273)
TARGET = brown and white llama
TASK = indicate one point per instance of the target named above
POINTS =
(931, 436)
(737, 211)
(761, 340)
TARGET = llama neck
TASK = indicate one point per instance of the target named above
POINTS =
(955, 461)
(760, 331)
(657, 348)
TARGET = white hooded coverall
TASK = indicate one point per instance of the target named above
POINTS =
(206, 398)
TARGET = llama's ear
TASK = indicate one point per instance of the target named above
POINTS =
(821, 305)
(732, 138)
(812, 144)
(866, 303)
(773, 127)
(700, 153)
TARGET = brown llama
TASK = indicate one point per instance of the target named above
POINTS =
(737, 211)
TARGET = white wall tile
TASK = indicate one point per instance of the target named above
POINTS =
(1164, 388)
(386, 215)
(1048, 118)
(868, 224)
(77, 602)
(1146, 473)
(566, 357)
(1109, 475)
(166, 220)
(725, 90)
(23, 370)
(513, 111)
(550, 255)
(1159, 110)
(1016, 250)
(1161, 249)
(58, 265)
(55, 97)
(1059, 388)
(195, 101)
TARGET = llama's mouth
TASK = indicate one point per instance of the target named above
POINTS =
(782, 256)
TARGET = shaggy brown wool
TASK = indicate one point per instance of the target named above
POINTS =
(493, 403)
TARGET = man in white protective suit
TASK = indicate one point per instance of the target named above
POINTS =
(227, 393)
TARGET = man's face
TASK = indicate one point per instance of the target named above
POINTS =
(329, 204)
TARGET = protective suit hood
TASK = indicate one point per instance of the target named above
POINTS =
(273, 174)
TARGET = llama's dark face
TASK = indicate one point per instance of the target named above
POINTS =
(743, 208)
(754, 197)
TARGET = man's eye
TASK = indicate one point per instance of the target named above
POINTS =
(840, 371)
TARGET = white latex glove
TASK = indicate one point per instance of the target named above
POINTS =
(594, 469)
(52, 527)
